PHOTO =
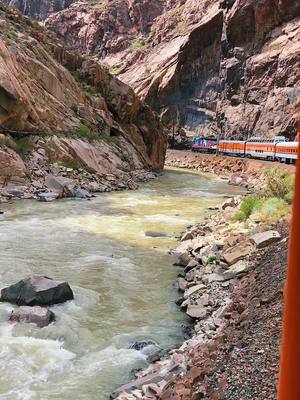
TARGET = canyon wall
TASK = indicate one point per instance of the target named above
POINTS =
(71, 106)
(39, 9)
(230, 67)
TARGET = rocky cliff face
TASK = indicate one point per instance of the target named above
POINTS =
(77, 113)
(230, 66)
(108, 27)
(39, 9)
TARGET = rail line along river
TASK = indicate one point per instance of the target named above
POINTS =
(121, 275)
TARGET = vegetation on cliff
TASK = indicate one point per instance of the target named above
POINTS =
(227, 67)
(58, 95)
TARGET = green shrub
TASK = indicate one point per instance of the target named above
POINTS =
(273, 209)
(90, 170)
(211, 259)
(109, 139)
(138, 43)
(76, 164)
(82, 132)
(249, 204)
(115, 70)
(77, 76)
(239, 217)
(24, 146)
(74, 108)
(280, 184)
(268, 209)
(92, 90)
(85, 133)
(272, 203)
(71, 163)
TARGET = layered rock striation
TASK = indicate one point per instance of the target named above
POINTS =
(59, 107)
(227, 67)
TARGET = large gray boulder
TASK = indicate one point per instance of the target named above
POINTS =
(182, 259)
(193, 290)
(59, 184)
(46, 197)
(141, 344)
(40, 316)
(37, 291)
(237, 252)
(264, 239)
(236, 270)
(66, 187)
(196, 311)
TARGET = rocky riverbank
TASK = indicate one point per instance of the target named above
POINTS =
(65, 115)
(244, 172)
(45, 181)
(231, 286)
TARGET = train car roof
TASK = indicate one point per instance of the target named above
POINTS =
(274, 139)
(232, 141)
(288, 144)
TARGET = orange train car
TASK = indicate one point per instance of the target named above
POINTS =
(232, 147)
(262, 148)
(275, 149)
(286, 151)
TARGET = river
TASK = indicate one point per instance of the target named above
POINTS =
(123, 281)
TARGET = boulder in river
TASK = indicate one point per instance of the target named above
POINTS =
(66, 187)
(46, 197)
(79, 193)
(182, 259)
(37, 291)
(141, 344)
(155, 234)
(40, 316)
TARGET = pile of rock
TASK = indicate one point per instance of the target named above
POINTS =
(56, 182)
(212, 265)
(214, 255)
(59, 187)
(237, 171)
(33, 296)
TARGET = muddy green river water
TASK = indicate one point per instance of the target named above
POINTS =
(123, 281)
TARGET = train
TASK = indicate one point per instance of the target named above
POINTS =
(205, 144)
(275, 149)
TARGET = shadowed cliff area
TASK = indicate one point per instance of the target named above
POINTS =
(39, 9)
(230, 67)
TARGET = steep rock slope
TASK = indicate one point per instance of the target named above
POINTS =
(230, 66)
(107, 27)
(39, 9)
(68, 109)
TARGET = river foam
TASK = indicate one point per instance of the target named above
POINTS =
(122, 279)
